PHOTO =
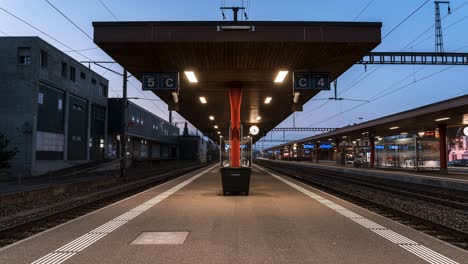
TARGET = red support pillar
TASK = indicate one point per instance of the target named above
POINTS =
(372, 151)
(443, 147)
(235, 99)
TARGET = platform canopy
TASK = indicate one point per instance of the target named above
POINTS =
(453, 113)
(230, 54)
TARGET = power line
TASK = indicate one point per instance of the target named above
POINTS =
(108, 10)
(432, 26)
(34, 27)
(354, 83)
(404, 20)
(364, 9)
(373, 99)
(81, 49)
(3, 32)
(73, 23)
(141, 92)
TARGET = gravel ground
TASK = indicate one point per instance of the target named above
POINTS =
(13, 214)
(447, 216)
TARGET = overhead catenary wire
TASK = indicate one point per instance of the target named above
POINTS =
(457, 8)
(44, 33)
(352, 84)
(87, 49)
(373, 99)
(404, 20)
(364, 9)
(108, 10)
(71, 21)
(4, 33)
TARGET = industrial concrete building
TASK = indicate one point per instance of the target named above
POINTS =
(149, 136)
(54, 109)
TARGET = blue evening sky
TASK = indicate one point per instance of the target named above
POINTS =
(403, 84)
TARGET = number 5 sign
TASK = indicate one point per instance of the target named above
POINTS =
(168, 81)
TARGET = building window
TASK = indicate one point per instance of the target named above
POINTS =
(93, 81)
(99, 112)
(102, 90)
(40, 98)
(46, 141)
(72, 74)
(44, 59)
(77, 107)
(83, 75)
(24, 55)
(60, 105)
(64, 69)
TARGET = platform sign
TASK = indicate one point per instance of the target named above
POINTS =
(167, 81)
(311, 81)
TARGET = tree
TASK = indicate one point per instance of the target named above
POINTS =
(5, 154)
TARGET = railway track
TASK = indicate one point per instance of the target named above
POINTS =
(57, 214)
(321, 180)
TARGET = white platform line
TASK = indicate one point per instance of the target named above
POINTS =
(67, 251)
(402, 241)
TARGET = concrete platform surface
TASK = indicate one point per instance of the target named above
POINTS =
(282, 221)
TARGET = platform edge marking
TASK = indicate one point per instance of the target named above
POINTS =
(390, 235)
(77, 245)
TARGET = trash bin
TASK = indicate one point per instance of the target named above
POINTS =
(235, 180)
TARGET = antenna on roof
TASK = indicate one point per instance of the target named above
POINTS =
(235, 10)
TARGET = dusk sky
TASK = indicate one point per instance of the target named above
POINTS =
(389, 89)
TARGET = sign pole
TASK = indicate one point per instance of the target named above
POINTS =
(123, 142)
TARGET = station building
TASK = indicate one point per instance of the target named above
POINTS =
(149, 136)
(53, 110)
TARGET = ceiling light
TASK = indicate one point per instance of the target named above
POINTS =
(211, 117)
(422, 133)
(344, 136)
(268, 100)
(404, 133)
(191, 76)
(202, 100)
(259, 117)
(280, 77)
(220, 136)
(330, 139)
(216, 127)
(442, 119)
(395, 127)
(219, 132)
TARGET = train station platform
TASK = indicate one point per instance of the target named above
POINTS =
(457, 180)
(188, 220)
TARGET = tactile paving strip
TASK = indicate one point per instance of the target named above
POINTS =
(77, 245)
(402, 241)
